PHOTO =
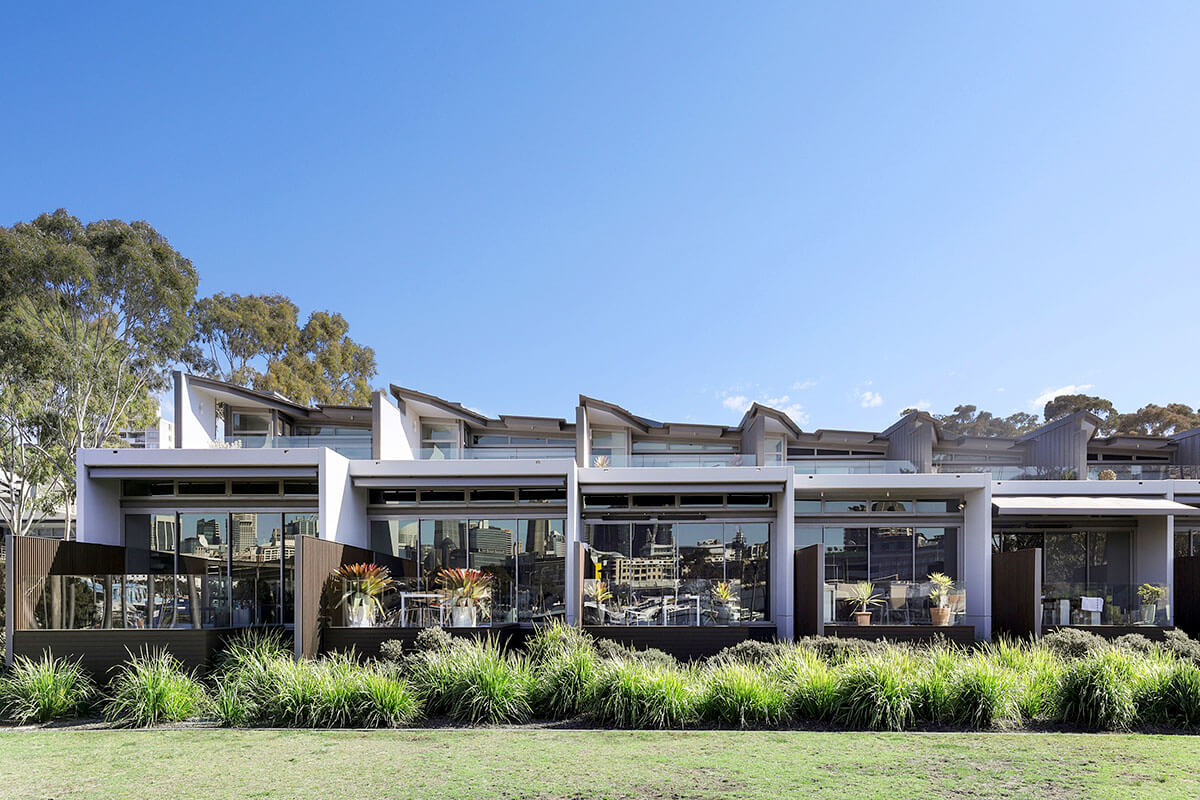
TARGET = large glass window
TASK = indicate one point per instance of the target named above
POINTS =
(203, 569)
(294, 525)
(541, 569)
(256, 542)
(697, 573)
(492, 551)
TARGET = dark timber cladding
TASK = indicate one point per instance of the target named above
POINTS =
(1017, 592)
(1187, 594)
(808, 611)
(317, 596)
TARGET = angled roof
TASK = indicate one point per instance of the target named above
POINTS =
(273, 400)
(759, 410)
(453, 409)
(1074, 418)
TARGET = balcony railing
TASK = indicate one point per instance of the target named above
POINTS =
(692, 460)
(866, 466)
(1069, 603)
(350, 445)
(1010, 472)
(495, 453)
(1143, 472)
(897, 603)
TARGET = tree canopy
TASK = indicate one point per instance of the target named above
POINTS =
(1149, 420)
(256, 341)
(93, 317)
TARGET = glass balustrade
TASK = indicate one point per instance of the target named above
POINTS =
(1071, 603)
(896, 602)
(357, 446)
(497, 453)
(1142, 472)
(866, 466)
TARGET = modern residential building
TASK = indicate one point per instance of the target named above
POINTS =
(681, 535)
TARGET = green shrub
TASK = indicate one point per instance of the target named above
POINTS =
(743, 695)
(336, 692)
(1036, 674)
(433, 639)
(392, 650)
(749, 651)
(878, 692)
(982, 694)
(153, 688)
(1073, 643)
(1177, 643)
(838, 650)
(1171, 696)
(1134, 643)
(387, 702)
(936, 677)
(562, 684)
(808, 683)
(474, 682)
(252, 646)
(232, 707)
(46, 689)
(633, 694)
(1099, 691)
(550, 642)
(616, 651)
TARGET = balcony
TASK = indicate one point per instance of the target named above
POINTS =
(1010, 472)
(496, 453)
(866, 466)
(355, 445)
(1143, 472)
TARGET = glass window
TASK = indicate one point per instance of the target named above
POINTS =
(606, 574)
(1183, 544)
(439, 440)
(542, 496)
(541, 569)
(492, 551)
(1065, 557)
(808, 507)
(846, 554)
(807, 535)
(256, 541)
(492, 495)
(253, 422)
(380, 497)
(845, 506)
(203, 571)
(936, 551)
(255, 487)
(652, 576)
(443, 545)
(301, 487)
(608, 449)
(747, 567)
(702, 570)
(775, 451)
(749, 501)
(202, 487)
(294, 525)
(937, 506)
(891, 554)
(147, 488)
(891, 506)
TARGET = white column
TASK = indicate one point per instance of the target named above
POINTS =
(977, 560)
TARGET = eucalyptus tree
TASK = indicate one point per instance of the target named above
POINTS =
(94, 316)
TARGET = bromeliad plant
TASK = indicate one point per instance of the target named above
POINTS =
(466, 592)
(724, 597)
(365, 583)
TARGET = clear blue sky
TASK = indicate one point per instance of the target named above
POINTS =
(844, 208)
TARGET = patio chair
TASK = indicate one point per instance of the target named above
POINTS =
(898, 603)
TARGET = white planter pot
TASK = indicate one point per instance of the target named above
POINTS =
(361, 615)
(462, 616)
(1149, 613)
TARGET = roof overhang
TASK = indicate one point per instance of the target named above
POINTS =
(433, 482)
(1087, 505)
(191, 473)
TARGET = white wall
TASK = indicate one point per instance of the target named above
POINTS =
(1154, 555)
(342, 508)
(574, 534)
(97, 507)
(389, 436)
(196, 420)
(783, 547)
(977, 559)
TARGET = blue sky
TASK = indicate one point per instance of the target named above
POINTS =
(844, 209)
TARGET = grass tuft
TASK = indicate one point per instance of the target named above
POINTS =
(43, 690)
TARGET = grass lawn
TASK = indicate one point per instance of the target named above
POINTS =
(499, 763)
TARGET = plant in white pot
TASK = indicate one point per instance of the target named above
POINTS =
(725, 601)
(467, 592)
(1151, 595)
(364, 584)
(596, 600)
(862, 597)
(940, 585)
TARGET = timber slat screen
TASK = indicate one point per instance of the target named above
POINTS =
(809, 584)
(316, 594)
(1017, 592)
(1187, 594)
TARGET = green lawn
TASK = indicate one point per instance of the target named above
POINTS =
(497, 764)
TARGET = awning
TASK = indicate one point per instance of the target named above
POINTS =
(472, 482)
(1088, 505)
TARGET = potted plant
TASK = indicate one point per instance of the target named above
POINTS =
(939, 595)
(1107, 475)
(725, 598)
(466, 591)
(1151, 596)
(597, 598)
(364, 583)
(862, 596)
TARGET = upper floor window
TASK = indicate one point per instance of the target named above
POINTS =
(439, 440)
(608, 449)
